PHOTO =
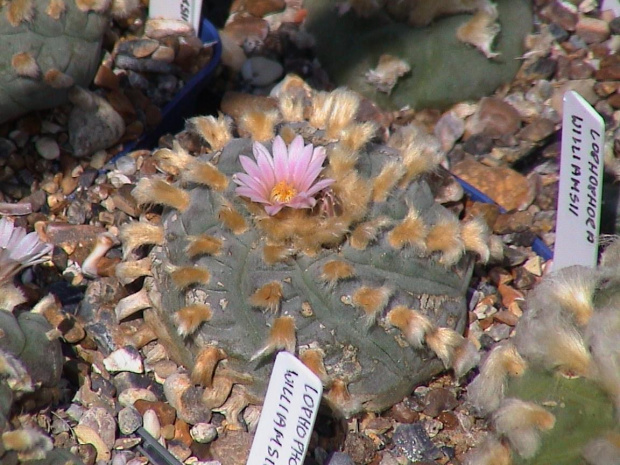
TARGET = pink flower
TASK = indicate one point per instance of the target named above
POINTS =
(19, 250)
(286, 179)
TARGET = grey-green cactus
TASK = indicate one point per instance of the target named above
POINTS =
(564, 409)
(47, 47)
(443, 70)
(366, 286)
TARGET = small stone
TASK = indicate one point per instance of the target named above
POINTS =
(124, 359)
(161, 28)
(478, 144)
(508, 188)
(537, 130)
(513, 222)
(93, 123)
(448, 130)
(87, 435)
(534, 265)
(128, 397)
(359, 448)
(129, 420)
(151, 423)
(260, 71)
(449, 420)
(506, 317)
(182, 452)
(563, 14)
(592, 30)
(260, 8)
(233, 448)
(340, 458)
(186, 399)
(413, 442)
(203, 432)
(106, 78)
(164, 53)
(402, 413)
(494, 118)
(164, 368)
(242, 28)
(439, 400)
(126, 165)
(47, 148)
(499, 332)
(165, 412)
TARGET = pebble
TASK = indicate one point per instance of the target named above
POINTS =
(508, 188)
(151, 424)
(233, 448)
(494, 118)
(47, 148)
(439, 400)
(93, 123)
(339, 458)
(129, 396)
(129, 420)
(124, 359)
(413, 442)
(537, 130)
(126, 165)
(448, 130)
(203, 432)
(161, 28)
(165, 413)
(592, 30)
(260, 71)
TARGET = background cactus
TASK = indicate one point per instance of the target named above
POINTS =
(31, 358)
(47, 47)
(444, 70)
(568, 338)
(364, 287)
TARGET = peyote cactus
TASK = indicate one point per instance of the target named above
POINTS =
(363, 275)
(398, 65)
(26, 377)
(553, 396)
(47, 47)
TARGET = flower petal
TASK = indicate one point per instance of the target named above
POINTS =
(302, 201)
(251, 194)
(250, 166)
(280, 160)
(314, 168)
(301, 166)
(265, 163)
(273, 209)
(319, 186)
(246, 180)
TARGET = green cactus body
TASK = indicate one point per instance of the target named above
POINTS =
(340, 314)
(582, 411)
(444, 71)
(569, 338)
(47, 46)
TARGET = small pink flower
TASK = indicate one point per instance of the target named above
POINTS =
(286, 179)
(19, 250)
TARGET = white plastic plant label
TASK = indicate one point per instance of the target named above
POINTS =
(613, 5)
(581, 182)
(288, 415)
(187, 10)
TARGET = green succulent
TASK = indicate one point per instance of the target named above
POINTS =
(568, 338)
(366, 286)
(47, 47)
(443, 70)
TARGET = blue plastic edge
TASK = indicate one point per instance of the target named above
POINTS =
(538, 246)
(173, 114)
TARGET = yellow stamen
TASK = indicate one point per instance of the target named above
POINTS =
(282, 192)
